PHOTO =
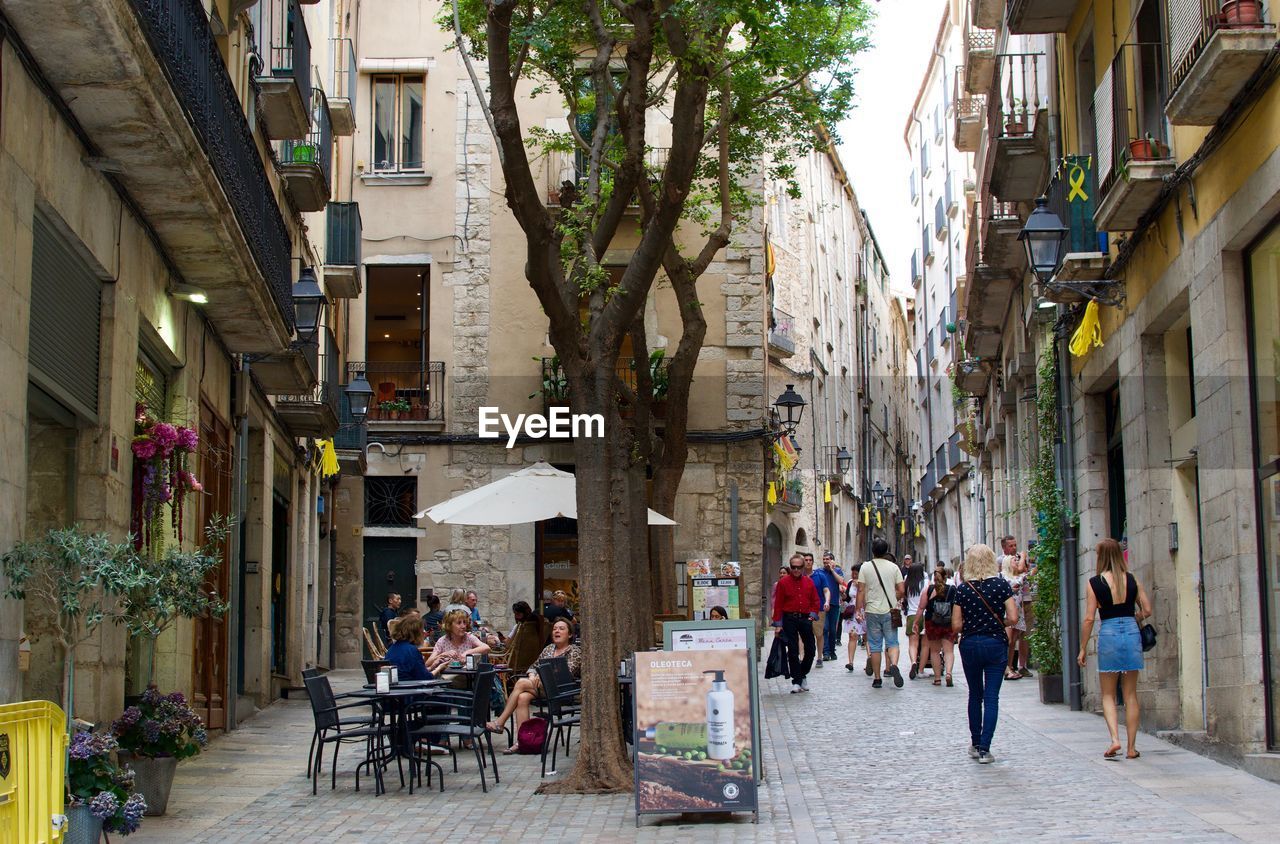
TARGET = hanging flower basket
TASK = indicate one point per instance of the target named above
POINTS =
(160, 477)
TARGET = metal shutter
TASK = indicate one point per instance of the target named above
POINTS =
(1103, 109)
(1185, 24)
(66, 313)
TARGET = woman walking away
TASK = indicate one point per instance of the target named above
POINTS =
(916, 586)
(1121, 602)
(985, 606)
(939, 638)
(855, 631)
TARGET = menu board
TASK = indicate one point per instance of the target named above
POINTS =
(695, 732)
(708, 592)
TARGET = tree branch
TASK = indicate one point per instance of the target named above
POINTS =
(475, 79)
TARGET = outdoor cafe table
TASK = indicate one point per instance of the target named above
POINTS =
(469, 674)
(395, 704)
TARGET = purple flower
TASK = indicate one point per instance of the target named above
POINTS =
(132, 812)
(144, 448)
(176, 697)
(85, 746)
(104, 805)
(165, 436)
(127, 719)
(151, 731)
(188, 439)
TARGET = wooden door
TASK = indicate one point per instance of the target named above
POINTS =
(209, 660)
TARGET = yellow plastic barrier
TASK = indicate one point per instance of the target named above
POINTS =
(33, 753)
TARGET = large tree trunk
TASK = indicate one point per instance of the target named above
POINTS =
(601, 765)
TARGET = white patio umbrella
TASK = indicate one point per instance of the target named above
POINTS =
(531, 494)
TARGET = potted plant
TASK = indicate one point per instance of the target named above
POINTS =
(1242, 14)
(393, 408)
(661, 381)
(100, 793)
(1015, 122)
(555, 384)
(1148, 148)
(303, 154)
(154, 736)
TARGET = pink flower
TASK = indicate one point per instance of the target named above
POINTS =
(144, 448)
(188, 439)
(165, 436)
(191, 482)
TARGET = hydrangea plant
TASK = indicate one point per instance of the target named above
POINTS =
(161, 725)
(106, 788)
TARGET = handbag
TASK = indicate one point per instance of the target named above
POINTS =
(895, 614)
(532, 735)
(1148, 634)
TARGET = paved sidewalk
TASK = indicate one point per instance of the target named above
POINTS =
(837, 762)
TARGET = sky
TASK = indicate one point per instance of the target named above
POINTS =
(871, 147)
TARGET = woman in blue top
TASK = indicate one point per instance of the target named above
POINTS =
(403, 653)
(985, 606)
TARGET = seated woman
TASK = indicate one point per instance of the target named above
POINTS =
(529, 687)
(406, 634)
(525, 641)
(457, 643)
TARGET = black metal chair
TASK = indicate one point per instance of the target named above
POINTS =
(560, 717)
(367, 719)
(467, 721)
(329, 729)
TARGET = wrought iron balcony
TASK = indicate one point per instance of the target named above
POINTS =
(284, 77)
(782, 339)
(403, 391)
(970, 113)
(790, 495)
(343, 234)
(1017, 120)
(1213, 53)
(342, 100)
(315, 413)
(305, 164)
(979, 58)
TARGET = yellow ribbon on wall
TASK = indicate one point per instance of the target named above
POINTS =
(1089, 334)
(826, 492)
(866, 516)
(772, 496)
(902, 527)
(879, 523)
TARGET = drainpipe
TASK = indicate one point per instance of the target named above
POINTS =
(1068, 562)
(239, 504)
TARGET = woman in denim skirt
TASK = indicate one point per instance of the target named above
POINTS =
(1119, 600)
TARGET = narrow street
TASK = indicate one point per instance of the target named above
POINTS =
(845, 763)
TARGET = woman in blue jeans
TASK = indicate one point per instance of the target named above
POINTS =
(985, 607)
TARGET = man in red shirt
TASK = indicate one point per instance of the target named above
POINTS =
(795, 607)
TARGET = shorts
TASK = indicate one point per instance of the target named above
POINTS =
(938, 632)
(881, 633)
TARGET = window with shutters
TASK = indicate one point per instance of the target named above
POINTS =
(151, 388)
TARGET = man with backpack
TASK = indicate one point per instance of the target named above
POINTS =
(880, 592)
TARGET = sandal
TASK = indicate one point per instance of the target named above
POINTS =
(1012, 676)
(1134, 755)
(949, 683)
(937, 682)
(1112, 753)
(513, 749)
(493, 727)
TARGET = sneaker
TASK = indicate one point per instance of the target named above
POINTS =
(896, 675)
(795, 689)
(804, 684)
(913, 673)
(817, 663)
(973, 751)
(877, 683)
(985, 757)
(848, 666)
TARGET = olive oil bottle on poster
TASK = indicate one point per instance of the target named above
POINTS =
(694, 733)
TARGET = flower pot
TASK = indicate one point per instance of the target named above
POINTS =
(1015, 127)
(1143, 149)
(82, 827)
(304, 154)
(1244, 14)
(1051, 688)
(153, 777)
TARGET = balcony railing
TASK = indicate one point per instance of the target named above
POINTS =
(1129, 106)
(782, 337)
(572, 167)
(928, 482)
(343, 87)
(178, 31)
(308, 161)
(325, 393)
(1021, 91)
(420, 384)
(343, 233)
(791, 494)
(351, 434)
(1191, 24)
(285, 43)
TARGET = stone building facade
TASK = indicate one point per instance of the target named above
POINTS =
(153, 222)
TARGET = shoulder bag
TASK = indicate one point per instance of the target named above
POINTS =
(1146, 631)
(999, 618)
(895, 614)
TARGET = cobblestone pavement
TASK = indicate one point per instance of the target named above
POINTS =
(837, 761)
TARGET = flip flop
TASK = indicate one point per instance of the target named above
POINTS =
(493, 727)
(513, 749)
(1134, 755)
(1113, 753)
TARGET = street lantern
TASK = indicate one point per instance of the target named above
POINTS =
(359, 394)
(843, 459)
(1043, 236)
(886, 499)
(877, 492)
(790, 407)
(308, 301)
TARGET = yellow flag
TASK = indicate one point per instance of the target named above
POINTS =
(328, 458)
(772, 496)
(878, 522)
(826, 492)
(1089, 334)
(919, 530)
(866, 516)
(902, 526)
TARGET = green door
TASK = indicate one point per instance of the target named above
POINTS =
(388, 567)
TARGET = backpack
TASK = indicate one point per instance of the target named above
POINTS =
(940, 609)
(532, 735)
